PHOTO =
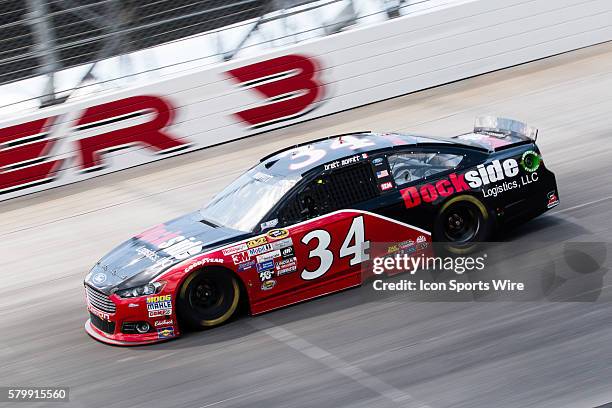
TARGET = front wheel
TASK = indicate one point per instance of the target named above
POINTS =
(208, 298)
(462, 222)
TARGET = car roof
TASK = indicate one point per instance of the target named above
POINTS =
(299, 159)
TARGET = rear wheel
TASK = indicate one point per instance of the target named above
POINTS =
(462, 222)
(208, 298)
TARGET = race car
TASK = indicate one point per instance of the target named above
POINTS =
(308, 220)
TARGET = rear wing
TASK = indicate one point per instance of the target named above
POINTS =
(496, 134)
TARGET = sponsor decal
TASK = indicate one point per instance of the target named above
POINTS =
(246, 265)
(100, 314)
(162, 264)
(268, 256)
(286, 266)
(288, 252)
(386, 186)
(406, 244)
(181, 247)
(481, 177)
(344, 162)
(160, 305)
(257, 242)
(164, 323)
(382, 174)
(392, 249)
(240, 257)
(235, 249)
(259, 250)
(277, 234)
(269, 224)
(421, 238)
(553, 200)
(202, 262)
(378, 161)
(269, 284)
(283, 243)
(530, 161)
(99, 278)
(165, 332)
(159, 313)
(266, 275)
(147, 253)
(265, 265)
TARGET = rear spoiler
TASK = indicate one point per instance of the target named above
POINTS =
(505, 128)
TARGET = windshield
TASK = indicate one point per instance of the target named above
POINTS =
(244, 203)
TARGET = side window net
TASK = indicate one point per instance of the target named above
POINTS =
(409, 167)
(341, 189)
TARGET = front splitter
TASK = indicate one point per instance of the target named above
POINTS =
(103, 339)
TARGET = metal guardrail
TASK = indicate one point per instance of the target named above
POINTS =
(63, 49)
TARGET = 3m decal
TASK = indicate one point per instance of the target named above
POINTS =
(288, 85)
(240, 257)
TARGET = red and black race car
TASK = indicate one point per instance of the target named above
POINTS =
(303, 221)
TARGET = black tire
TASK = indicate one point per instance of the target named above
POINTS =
(208, 298)
(462, 222)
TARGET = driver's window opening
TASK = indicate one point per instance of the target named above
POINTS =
(343, 188)
(412, 166)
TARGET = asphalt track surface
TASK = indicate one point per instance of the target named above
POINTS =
(344, 350)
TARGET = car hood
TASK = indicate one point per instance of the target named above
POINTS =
(138, 260)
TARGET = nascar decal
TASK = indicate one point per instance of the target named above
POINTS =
(277, 234)
(159, 305)
(269, 284)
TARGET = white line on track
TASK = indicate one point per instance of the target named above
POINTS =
(582, 205)
(336, 364)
